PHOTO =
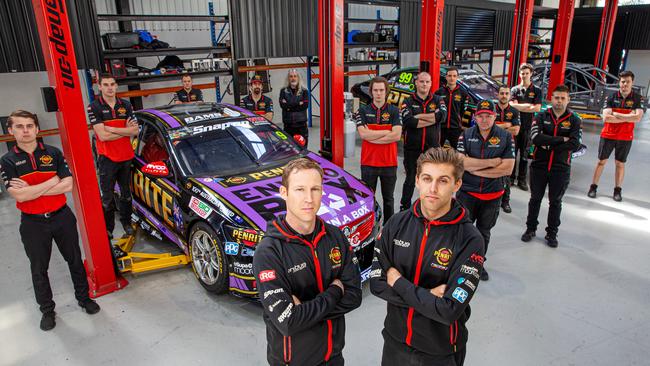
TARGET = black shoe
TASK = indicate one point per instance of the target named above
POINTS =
(484, 275)
(506, 207)
(47, 321)
(592, 191)
(528, 236)
(617, 194)
(90, 306)
(551, 240)
(118, 252)
(128, 230)
(522, 185)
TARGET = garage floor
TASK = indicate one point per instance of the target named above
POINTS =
(585, 303)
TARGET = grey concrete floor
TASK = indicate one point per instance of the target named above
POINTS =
(585, 303)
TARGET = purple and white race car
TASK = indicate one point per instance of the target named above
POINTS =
(206, 176)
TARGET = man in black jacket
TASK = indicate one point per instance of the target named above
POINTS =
(422, 115)
(456, 99)
(294, 101)
(427, 265)
(556, 133)
(307, 276)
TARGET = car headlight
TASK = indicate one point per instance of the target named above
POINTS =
(245, 236)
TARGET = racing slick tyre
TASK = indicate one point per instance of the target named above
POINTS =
(208, 259)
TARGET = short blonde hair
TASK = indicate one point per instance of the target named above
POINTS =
(298, 165)
(441, 155)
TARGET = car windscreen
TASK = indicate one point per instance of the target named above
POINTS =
(483, 86)
(223, 148)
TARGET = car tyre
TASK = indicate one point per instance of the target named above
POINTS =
(208, 259)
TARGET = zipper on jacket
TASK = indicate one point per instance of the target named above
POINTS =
(416, 281)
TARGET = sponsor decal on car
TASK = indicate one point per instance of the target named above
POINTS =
(231, 248)
(200, 208)
(245, 269)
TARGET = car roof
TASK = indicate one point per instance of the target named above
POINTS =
(173, 116)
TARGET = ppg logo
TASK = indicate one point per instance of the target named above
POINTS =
(231, 248)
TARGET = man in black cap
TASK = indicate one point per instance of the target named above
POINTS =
(489, 156)
(256, 101)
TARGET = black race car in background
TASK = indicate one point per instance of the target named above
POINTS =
(206, 176)
(402, 84)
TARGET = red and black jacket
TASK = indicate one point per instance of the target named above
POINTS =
(428, 254)
(421, 139)
(35, 168)
(547, 134)
(456, 101)
(100, 112)
(498, 144)
(285, 264)
(194, 95)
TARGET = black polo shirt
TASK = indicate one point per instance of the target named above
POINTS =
(100, 112)
(498, 144)
(507, 115)
(44, 163)
(456, 102)
(194, 95)
(532, 95)
(263, 106)
(421, 139)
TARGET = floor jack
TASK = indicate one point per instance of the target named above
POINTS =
(138, 262)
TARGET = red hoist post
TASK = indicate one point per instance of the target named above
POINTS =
(607, 23)
(58, 51)
(561, 40)
(330, 58)
(520, 36)
(431, 39)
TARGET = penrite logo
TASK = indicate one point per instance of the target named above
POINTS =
(57, 32)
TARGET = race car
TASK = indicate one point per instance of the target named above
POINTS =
(206, 176)
(402, 84)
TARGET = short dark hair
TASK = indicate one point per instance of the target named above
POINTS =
(504, 87)
(105, 76)
(561, 89)
(525, 66)
(451, 68)
(441, 155)
(186, 76)
(626, 74)
(378, 80)
(298, 165)
(23, 114)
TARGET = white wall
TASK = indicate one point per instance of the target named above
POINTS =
(638, 61)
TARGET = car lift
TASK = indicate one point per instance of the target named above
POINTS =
(59, 55)
(138, 262)
(330, 59)
(607, 22)
(560, 46)
(519, 42)
(431, 39)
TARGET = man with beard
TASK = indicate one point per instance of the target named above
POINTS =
(294, 101)
(256, 101)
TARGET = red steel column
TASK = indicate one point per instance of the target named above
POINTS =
(561, 40)
(431, 39)
(607, 23)
(58, 51)
(520, 37)
(330, 58)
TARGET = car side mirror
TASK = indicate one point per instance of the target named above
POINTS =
(156, 169)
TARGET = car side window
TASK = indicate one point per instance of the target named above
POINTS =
(152, 148)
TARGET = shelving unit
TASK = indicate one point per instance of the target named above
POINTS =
(543, 33)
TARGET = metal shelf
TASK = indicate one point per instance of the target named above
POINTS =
(137, 79)
(180, 18)
(372, 45)
(128, 53)
(372, 21)
(370, 62)
(374, 2)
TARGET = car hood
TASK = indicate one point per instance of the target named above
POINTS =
(255, 195)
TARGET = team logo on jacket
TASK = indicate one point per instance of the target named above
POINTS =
(121, 110)
(509, 115)
(262, 105)
(457, 97)
(565, 124)
(443, 256)
(46, 160)
(335, 257)
(531, 95)
(494, 140)
(629, 103)
(385, 116)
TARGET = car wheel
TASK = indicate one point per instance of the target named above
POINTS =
(208, 259)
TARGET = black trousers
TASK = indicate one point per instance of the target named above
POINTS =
(37, 234)
(506, 190)
(410, 165)
(302, 131)
(110, 173)
(557, 182)
(451, 134)
(522, 141)
(483, 213)
(388, 176)
(399, 354)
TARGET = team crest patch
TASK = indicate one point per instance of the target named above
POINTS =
(531, 95)
(565, 124)
(385, 116)
(494, 140)
(121, 110)
(262, 105)
(457, 98)
(46, 160)
(509, 115)
(443, 256)
(629, 103)
(335, 257)
(192, 97)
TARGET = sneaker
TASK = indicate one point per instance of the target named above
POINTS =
(617, 194)
(592, 191)
(551, 240)
(484, 275)
(47, 321)
(90, 306)
(118, 252)
(506, 207)
(528, 235)
(128, 230)
(522, 185)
